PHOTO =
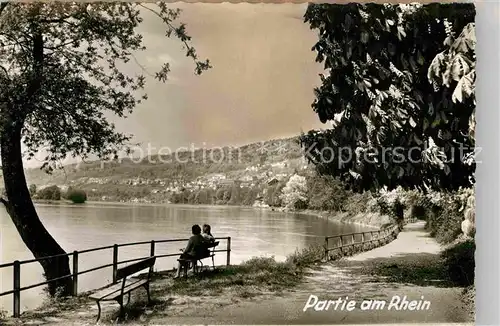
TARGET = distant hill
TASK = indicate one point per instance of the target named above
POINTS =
(136, 178)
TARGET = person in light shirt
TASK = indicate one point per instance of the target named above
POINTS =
(207, 235)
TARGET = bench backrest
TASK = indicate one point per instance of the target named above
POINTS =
(212, 245)
(134, 268)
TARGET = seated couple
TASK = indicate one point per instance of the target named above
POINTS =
(196, 247)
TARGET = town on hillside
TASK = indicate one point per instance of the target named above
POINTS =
(243, 180)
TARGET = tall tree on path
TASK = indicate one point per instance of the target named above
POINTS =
(393, 125)
(61, 71)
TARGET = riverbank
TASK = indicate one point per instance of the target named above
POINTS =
(266, 292)
(53, 202)
(323, 196)
(369, 220)
(366, 219)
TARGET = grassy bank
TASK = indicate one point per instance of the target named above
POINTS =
(257, 276)
(252, 277)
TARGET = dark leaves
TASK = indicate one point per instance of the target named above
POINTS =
(377, 58)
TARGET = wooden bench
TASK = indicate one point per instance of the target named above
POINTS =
(211, 254)
(116, 291)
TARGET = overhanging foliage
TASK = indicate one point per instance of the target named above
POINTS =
(391, 125)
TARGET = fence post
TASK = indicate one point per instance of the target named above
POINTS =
(152, 248)
(115, 262)
(152, 254)
(17, 286)
(75, 273)
(228, 261)
(326, 248)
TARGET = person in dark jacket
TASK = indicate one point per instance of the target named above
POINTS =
(194, 248)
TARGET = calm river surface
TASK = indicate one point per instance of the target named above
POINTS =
(253, 232)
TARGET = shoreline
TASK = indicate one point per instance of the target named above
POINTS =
(338, 217)
(343, 217)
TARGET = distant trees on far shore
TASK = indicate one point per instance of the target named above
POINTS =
(54, 192)
(77, 196)
(49, 193)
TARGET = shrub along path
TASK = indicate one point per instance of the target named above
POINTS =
(408, 266)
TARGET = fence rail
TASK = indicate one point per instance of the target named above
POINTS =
(368, 237)
(17, 289)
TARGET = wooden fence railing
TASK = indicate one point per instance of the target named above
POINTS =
(16, 265)
(376, 238)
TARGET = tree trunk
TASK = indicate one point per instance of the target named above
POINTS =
(22, 211)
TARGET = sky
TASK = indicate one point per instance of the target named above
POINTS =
(260, 87)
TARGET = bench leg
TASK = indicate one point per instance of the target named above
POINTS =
(146, 286)
(198, 268)
(98, 311)
(128, 299)
(120, 301)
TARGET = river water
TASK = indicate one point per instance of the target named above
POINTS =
(253, 232)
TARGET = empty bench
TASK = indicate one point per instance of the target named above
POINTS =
(116, 292)
(195, 260)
